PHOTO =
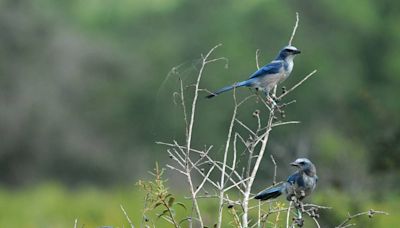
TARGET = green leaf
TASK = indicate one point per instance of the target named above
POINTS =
(181, 204)
(157, 204)
(163, 213)
(171, 201)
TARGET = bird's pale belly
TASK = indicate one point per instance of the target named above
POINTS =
(268, 83)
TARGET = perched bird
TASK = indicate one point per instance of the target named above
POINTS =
(268, 76)
(300, 184)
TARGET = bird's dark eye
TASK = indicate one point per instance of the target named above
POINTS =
(302, 163)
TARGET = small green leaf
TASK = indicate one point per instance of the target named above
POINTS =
(157, 204)
(171, 201)
(163, 213)
(181, 204)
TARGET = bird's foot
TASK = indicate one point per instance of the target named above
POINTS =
(299, 222)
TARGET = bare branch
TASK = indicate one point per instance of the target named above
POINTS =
(127, 217)
(190, 131)
(228, 141)
(297, 85)
(257, 55)
(184, 109)
(275, 167)
(204, 180)
(370, 214)
(288, 214)
(284, 123)
(245, 127)
(176, 169)
(294, 29)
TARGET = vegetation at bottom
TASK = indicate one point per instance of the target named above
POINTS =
(51, 205)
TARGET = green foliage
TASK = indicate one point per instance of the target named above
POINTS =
(51, 205)
(159, 201)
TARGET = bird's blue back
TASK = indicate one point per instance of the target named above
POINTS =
(271, 68)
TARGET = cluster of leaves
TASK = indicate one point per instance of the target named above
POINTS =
(159, 201)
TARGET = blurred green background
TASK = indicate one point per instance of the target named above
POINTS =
(85, 92)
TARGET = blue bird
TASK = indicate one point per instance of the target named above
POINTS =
(268, 76)
(300, 184)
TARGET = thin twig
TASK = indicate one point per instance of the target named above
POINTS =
(288, 214)
(127, 217)
(184, 108)
(294, 29)
(297, 85)
(255, 167)
(284, 123)
(370, 214)
(275, 167)
(257, 55)
(204, 180)
(228, 141)
(190, 131)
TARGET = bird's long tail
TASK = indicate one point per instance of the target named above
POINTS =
(270, 193)
(227, 88)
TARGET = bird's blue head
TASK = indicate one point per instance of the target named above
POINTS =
(305, 165)
(288, 53)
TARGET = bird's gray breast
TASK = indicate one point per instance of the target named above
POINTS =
(288, 66)
(302, 187)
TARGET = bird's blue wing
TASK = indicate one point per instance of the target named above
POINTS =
(296, 178)
(271, 68)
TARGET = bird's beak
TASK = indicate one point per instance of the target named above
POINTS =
(297, 52)
(295, 164)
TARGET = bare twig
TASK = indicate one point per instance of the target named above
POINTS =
(76, 223)
(190, 131)
(275, 167)
(127, 217)
(204, 180)
(297, 85)
(257, 55)
(370, 214)
(184, 109)
(288, 214)
(255, 168)
(284, 123)
(228, 141)
(294, 29)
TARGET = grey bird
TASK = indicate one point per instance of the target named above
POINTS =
(300, 184)
(268, 76)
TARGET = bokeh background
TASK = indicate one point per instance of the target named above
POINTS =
(85, 91)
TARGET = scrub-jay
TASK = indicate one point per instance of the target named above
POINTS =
(268, 76)
(300, 184)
